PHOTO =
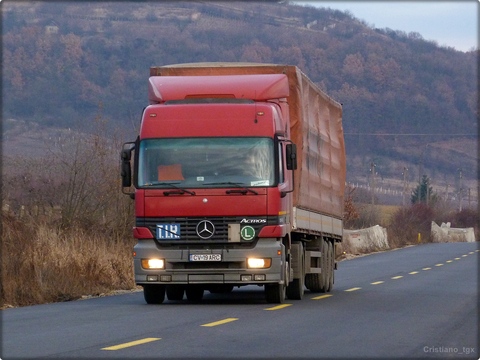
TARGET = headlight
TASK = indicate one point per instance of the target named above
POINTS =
(259, 263)
(153, 263)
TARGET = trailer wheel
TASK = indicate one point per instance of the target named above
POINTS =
(175, 292)
(275, 293)
(154, 294)
(318, 282)
(331, 265)
(295, 289)
(194, 293)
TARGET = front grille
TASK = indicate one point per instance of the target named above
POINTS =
(188, 227)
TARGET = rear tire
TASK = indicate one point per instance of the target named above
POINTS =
(295, 289)
(319, 282)
(154, 294)
(331, 265)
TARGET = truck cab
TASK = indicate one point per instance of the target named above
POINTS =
(212, 173)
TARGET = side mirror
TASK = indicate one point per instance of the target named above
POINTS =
(291, 156)
(126, 169)
(126, 174)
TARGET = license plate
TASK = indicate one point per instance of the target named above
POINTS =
(205, 257)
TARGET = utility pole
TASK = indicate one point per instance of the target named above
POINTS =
(405, 172)
(428, 191)
(460, 189)
(372, 170)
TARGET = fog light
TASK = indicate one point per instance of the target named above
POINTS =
(259, 277)
(153, 263)
(246, 277)
(152, 278)
(259, 263)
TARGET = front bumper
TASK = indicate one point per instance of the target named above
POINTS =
(232, 269)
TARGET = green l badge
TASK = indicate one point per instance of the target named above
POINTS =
(247, 233)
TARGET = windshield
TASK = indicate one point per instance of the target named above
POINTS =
(206, 162)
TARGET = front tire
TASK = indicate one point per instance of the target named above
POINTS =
(275, 293)
(154, 294)
(175, 292)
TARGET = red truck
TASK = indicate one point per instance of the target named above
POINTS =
(238, 179)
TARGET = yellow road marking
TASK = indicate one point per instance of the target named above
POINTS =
(377, 283)
(477, 250)
(413, 272)
(439, 265)
(396, 277)
(321, 297)
(464, 255)
(457, 258)
(449, 261)
(471, 252)
(220, 322)
(353, 289)
(278, 307)
(427, 268)
(131, 343)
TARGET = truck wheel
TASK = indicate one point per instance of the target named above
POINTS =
(310, 282)
(194, 293)
(331, 265)
(175, 292)
(275, 293)
(295, 289)
(318, 282)
(154, 294)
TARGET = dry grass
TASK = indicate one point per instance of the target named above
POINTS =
(66, 226)
(386, 213)
(42, 263)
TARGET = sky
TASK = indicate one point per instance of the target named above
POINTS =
(449, 23)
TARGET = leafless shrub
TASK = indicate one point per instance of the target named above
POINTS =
(350, 213)
(368, 215)
(467, 218)
(89, 186)
(408, 222)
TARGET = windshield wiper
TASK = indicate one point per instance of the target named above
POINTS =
(243, 189)
(179, 191)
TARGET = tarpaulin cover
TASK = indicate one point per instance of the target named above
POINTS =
(316, 129)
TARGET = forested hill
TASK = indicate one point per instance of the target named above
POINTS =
(64, 62)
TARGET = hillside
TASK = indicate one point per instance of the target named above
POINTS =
(407, 102)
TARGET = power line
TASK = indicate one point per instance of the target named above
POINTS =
(403, 134)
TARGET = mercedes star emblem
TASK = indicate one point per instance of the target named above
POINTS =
(205, 229)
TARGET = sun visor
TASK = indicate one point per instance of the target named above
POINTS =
(252, 87)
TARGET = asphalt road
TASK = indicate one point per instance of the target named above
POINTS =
(416, 302)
